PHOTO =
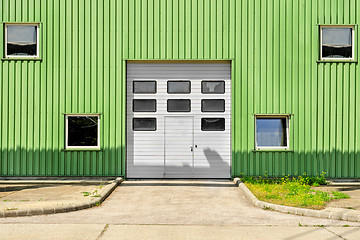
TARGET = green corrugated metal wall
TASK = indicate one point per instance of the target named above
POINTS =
(274, 48)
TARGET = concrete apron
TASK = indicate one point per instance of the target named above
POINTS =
(28, 198)
(179, 202)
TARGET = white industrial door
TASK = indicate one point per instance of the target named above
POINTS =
(178, 119)
(179, 158)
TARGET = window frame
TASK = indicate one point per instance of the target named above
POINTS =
(212, 130)
(212, 80)
(133, 121)
(67, 147)
(177, 99)
(147, 80)
(325, 59)
(209, 99)
(143, 99)
(182, 80)
(37, 56)
(273, 116)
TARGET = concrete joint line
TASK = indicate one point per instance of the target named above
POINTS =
(334, 233)
(103, 231)
(346, 216)
(105, 192)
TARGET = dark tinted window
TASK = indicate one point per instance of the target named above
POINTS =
(213, 105)
(213, 124)
(214, 87)
(144, 124)
(178, 87)
(337, 42)
(144, 105)
(21, 40)
(144, 87)
(178, 105)
(83, 131)
(271, 132)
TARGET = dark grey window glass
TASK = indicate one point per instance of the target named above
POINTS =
(337, 42)
(144, 87)
(213, 105)
(213, 124)
(271, 132)
(179, 87)
(144, 105)
(21, 40)
(83, 131)
(178, 105)
(213, 87)
(144, 124)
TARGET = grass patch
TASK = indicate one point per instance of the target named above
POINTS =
(339, 195)
(292, 191)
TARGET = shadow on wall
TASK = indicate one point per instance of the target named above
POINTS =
(59, 162)
(216, 164)
(210, 165)
(214, 159)
(111, 162)
(336, 164)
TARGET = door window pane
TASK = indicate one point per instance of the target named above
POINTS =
(178, 105)
(144, 124)
(213, 87)
(213, 124)
(82, 131)
(271, 132)
(144, 87)
(213, 105)
(21, 40)
(178, 86)
(337, 42)
(144, 105)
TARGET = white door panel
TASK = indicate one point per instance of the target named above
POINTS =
(178, 154)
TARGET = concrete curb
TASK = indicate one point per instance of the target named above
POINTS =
(344, 215)
(104, 192)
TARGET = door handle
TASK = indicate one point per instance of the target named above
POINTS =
(192, 148)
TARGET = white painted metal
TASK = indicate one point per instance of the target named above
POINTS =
(166, 152)
(179, 157)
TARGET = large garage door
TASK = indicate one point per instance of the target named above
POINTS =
(178, 119)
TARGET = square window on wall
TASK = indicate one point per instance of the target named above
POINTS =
(337, 42)
(272, 131)
(22, 40)
(82, 131)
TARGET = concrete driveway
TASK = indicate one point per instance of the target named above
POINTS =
(176, 202)
(176, 210)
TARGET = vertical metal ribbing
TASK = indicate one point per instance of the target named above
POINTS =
(274, 47)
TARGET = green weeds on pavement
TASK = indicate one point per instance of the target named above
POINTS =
(11, 209)
(93, 194)
(292, 191)
(339, 195)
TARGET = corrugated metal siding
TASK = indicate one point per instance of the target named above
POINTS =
(80, 72)
(274, 47)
